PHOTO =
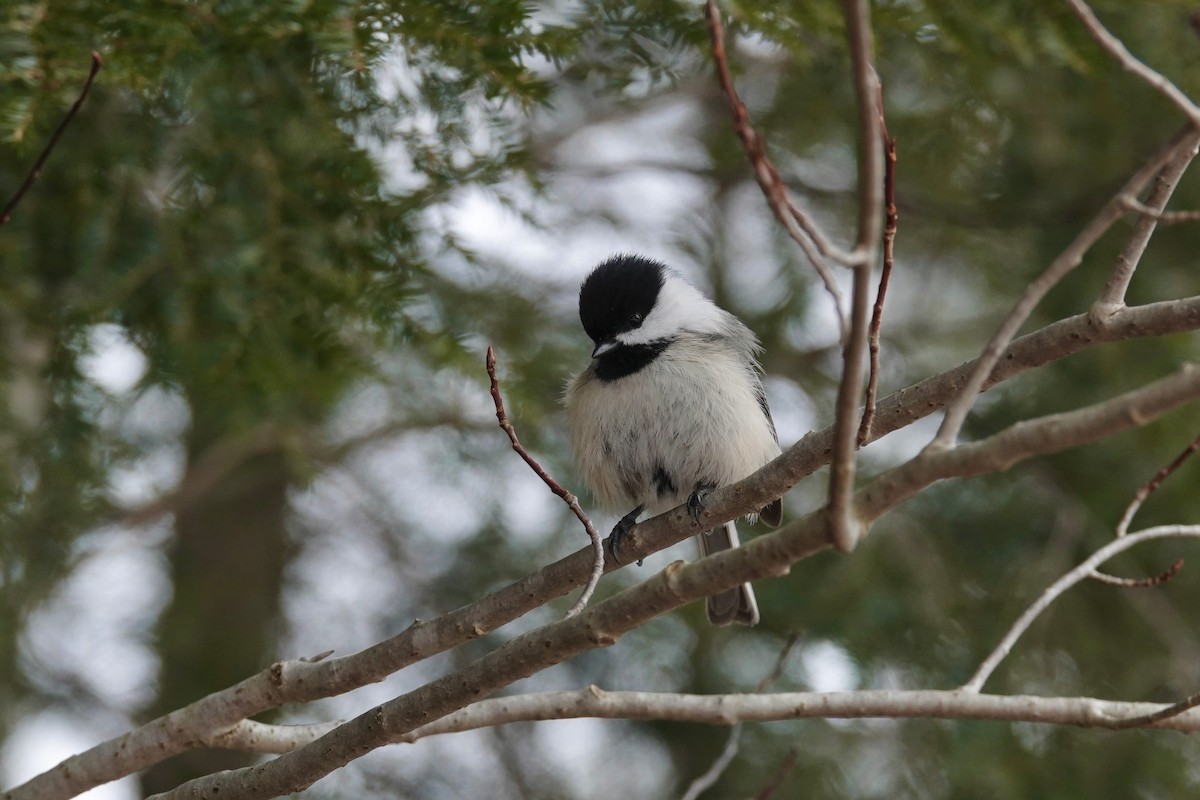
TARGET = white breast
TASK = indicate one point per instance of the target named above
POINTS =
(690, 417)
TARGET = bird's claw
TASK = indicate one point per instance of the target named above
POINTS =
(619, 533)
(696, 502)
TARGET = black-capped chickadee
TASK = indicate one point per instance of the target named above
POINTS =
(671, 406)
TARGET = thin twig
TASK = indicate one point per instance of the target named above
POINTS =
(1138, 583)
(713, 773)
(294, 682)
(736, 709)
(1116, 48)
(889, 238)
(846, 526)
(729, 752)
(1151, 486)
(1163, 217)
(1073, 577)
(568, 498)
(808, 235)
(1117, 284)
(789, 763)
(36, 172)
(1067, 260)
(1147, 720)
(780, 662)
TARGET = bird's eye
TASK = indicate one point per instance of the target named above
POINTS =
(636, 320)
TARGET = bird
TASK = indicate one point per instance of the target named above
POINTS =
(670, 407)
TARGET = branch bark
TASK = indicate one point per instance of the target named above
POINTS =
(604, 623)
(1081, 572)
(1070, 258)
(846, 527)
(735, 709)
(294, 681)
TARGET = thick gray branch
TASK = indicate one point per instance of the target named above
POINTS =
(298, 682)
(604, 623)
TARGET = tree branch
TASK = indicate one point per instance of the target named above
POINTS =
(602, 624)
(1073, 577)
(1151, 486)
(735, 709)
(557, 488)
(889, 239)
(1161, 190)
(815, 245)
(1050, 434)
(846, 527)
(36, 172)
(1116, 48)
(1070, 258)
(288, 682)
(1163, 217)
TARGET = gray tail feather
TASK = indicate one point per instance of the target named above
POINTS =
(736, 605)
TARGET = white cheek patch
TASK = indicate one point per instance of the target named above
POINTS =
(680, 307)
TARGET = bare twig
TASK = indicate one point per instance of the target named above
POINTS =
(1116, 48)
(1113, 295)
(889, 238)
(704, 782)
(1066, 261)
(554, 486)
(1150, 720)
(1051, 433)
(780, 662)
(732, 709)
(846, 526)
(293, 682)
(36, 172)
(1139, 583)
(808, 235)
(789, 763)
(1073, 577)
(729, 752)
(599, 625)
(1163, 217)
(1152, 485)
(603, 623)
(868, 102)
(737, 709)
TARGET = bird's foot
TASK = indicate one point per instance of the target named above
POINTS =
(620, 531)
(696, 501)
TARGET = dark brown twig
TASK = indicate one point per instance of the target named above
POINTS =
(1152, 485)
(1158, 716)
(36, 172)
(807, 235)
(1149, 488)
(889, 238)
(1139, 583)
(554, 486)
(789, 763)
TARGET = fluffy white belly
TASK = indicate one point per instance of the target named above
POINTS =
(650, 438)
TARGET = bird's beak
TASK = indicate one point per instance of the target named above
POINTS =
(603, 347)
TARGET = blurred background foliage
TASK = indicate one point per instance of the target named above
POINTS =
(242, 323)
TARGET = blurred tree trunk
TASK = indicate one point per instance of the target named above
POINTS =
(226, 566)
